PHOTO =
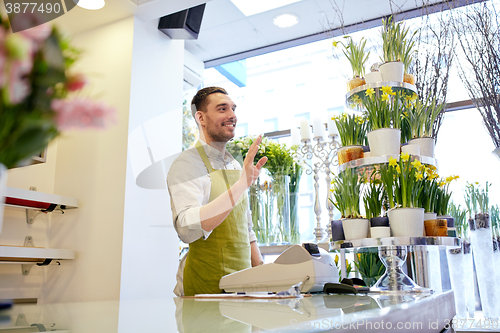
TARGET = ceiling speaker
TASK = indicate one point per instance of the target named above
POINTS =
(184, 24)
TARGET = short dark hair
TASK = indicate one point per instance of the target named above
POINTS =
(198, 101)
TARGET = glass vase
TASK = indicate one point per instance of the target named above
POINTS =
(279, 210)
(294, 218)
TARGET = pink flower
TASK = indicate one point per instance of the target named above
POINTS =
(82, 113)
(37, 34)
(76, 82)
(18, 81)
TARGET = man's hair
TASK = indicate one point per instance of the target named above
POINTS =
(199, 100)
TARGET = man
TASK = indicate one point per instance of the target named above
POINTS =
(208, 190)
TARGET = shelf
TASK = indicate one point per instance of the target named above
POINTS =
(28, 199)
(359, 91)
(20, 254)
(395, 241)
(383, 159)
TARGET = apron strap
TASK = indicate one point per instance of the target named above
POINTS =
(208, 165)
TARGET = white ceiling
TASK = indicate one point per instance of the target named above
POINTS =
(225, 31)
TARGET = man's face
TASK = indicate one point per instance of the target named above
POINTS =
(219, 119)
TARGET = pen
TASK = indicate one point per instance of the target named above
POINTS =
(255, 293)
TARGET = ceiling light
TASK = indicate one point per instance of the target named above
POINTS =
(90, 4)
(259, 6)
(286, 20)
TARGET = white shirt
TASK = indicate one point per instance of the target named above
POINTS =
(189, 185)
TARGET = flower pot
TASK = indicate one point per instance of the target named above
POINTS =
(349, 153)
(373, 77)
(337, 230)
(409, 78)
(3, 190)
(379, 221)
(384, 141)
(437, 227)
(392, 71)
(380, 232)
(355, 82)
(496, 152)
(406, 222)
(355, 228)
(412, 149)
(430, 216)
(426, 146)
(450, 222)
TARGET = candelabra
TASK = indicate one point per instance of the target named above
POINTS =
(320, 156)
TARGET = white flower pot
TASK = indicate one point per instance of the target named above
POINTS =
(406, 222)
(430, 216)
(380, 232)
(373, 77)
(392, 71)
(384, 141)
(412, 149)
(3, 191)
(496, 152)
(355, 228)
(426, 146)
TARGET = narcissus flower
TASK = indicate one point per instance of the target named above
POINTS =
(393, 161)
(369, 92)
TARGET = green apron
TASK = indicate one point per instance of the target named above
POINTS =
(227, 249)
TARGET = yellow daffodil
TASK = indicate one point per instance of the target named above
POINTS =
(416, 164)
(385, 97)
(336, 259)
(355, 99)
(370, 92)
(449, 179)
(331, 190)
(398, 169)
(414, 97)
(388, 90)
(441, 184)
(456, 177)
(393, 161)
(405, 157)
(419, 176)
(433, 176)
(334, 43)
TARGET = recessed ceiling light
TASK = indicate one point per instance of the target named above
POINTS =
(90, 4)
(286, 20)
(259, 6)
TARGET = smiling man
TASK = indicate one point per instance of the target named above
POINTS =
(208, 191)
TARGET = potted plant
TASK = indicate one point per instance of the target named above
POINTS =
(442, 202)
(395, 48)
(419, 118)
(357, 57)
(352, 132)
(346, 188)
(383, 112)
(373, 201)
(403, 184)
(370, 266)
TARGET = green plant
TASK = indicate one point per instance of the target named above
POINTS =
(397, 45)
(421, 116)
(347, 265)
(476, 198)
(369, 266)
(346, 191)
(495, 220)
(443, 196)
(383, 110)
(459, 214)
(356, 55)
(373, 199)
(352, 129)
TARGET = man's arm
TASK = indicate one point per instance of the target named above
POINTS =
(256, 256)
(213, 213)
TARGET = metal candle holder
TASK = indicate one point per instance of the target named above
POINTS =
(320, 156)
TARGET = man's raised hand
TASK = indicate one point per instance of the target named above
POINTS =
(250, 171)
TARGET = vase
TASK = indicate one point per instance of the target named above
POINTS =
(450, 221)
(429, 216)
(337, 230)
(406, 222)
(3, 191)
(380, 232)
(373, 77)
(496, 152)
(412, 149)
(294, 218)
(392, 71)
(379, 221)
(426, 146)
(355, 228)
(349, 153)
(436, 228)
(384, 141)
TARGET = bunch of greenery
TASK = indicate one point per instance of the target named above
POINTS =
(403, 181)
(383, 110)
(346, 188)
(370, 266)
(495, 220)
(347, 265)
(476, 198)
(397, 45)
(373, 199)
(352, 129)
(459, 214)
(356, 55)
(443, 196)
(420, 117)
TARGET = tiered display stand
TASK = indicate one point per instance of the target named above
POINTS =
(392, 250)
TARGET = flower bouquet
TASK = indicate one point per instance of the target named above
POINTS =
(357, 56)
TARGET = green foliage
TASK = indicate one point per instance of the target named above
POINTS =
(397, 44)
(476, 198)
(421, 116)
(356, 55)
(373, 200)
(369, 265)
(346, 191)
(352, 129)
(383, 110)
(459, 214)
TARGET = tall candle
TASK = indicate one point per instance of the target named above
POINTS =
(295, 132)
(318, 128)
(305, 131)
(332, 128)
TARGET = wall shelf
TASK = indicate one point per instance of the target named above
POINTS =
(28, 199)
(20, 254)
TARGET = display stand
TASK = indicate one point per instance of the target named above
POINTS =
(392, 252)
